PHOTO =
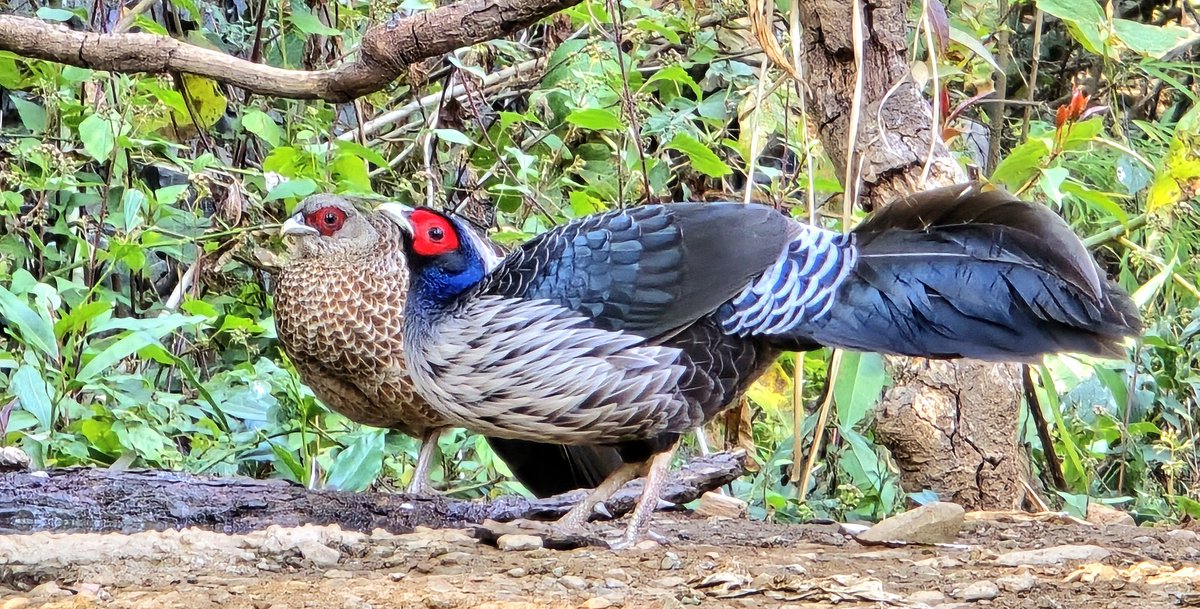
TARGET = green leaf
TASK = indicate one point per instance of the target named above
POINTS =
(971, 43)
(262, 125)
(702, 159)
(308, 23)
(33, 116)
(98, 137)
(114, 353)
(596, 119)
(1151, 40)
(1021, 163)
(453, 136)
(33, 394)
(1083, 19)
(367, 154)
(357, 467)
(132, 205)
(676, 74)
(859, 384)
(46, 13)
(35, 329)
(292, 189)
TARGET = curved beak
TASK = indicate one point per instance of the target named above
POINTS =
(296, 227)
(398, 213)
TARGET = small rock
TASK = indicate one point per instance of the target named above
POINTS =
(1053, 556)
(338, 574)
(48, 589)
(937, 522)
(515, 542)
(572, 582)
(646, 545)
(1183, 535)
(1098, 513)
(19, 602)
(397, 576)
(614, 584)
(618, 574)
(455, 558)
(979, 591)
(1022, 582)
(597, 602)
(671, 581)
(319, 554)
(670, 562)
(721, 506)
(516, 572)
(929, 597)
(94, 590)
(13, 459)
(711, 555)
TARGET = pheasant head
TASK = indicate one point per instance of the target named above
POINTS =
(445, 256)
(327, 226)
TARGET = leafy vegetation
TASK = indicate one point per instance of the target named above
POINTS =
(137, 218)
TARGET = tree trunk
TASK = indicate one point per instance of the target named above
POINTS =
(951, 426)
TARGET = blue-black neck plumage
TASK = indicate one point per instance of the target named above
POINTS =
(437, 282)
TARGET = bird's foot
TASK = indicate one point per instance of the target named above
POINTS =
(630, 539)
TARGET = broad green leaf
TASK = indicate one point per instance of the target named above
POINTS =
(34, 329)
(367, 154)
(262, 125)
(1083, 18)
(859, 384)
(357, 466)
(596, 119)
(46, 13)
(33, 116)
(98, 137)
(1100, 201)
(1151, 40)
(676, 74)
(971, 43)
(114, 353)
(308, 23)
(132, 204)
(453, 136)
(703, 160)
(33, 394)
(292, 189)
(1021, 163)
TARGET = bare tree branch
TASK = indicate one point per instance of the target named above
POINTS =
(385, 53)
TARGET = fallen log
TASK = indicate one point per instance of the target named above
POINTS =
(98, 501)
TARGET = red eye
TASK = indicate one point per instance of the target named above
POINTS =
(327, 220)
(433, 234)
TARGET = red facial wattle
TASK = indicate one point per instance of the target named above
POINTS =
(327, 220)
(433, 234)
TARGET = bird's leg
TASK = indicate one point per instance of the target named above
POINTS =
(419, 485)
(578, 516)
(656, 475)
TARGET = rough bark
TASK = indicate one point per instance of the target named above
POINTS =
(91, 500)
(385, 53)
(950, 426)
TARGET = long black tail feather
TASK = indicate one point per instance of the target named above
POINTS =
(550, 469)
(962, 272)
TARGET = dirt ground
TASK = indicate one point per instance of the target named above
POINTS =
(705, 562)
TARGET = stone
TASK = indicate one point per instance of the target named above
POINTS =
(515, 542)
(1098, 513)
(618, 574)
(928, 597)
(319, 554)
(670, 562)
(716, 505)
(597, 602)
(1053, 556)
(48, 589)
(455, 558)
(1022, 582)
(338, 574)
(937, 522)
(671, 581)
(516, 572)
(1183, 535)
(573, 582)
(983, 590)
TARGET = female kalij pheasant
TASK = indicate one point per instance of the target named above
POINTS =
(632, 327)
(339, 313)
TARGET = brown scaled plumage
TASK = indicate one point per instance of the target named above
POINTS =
(339, 314)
